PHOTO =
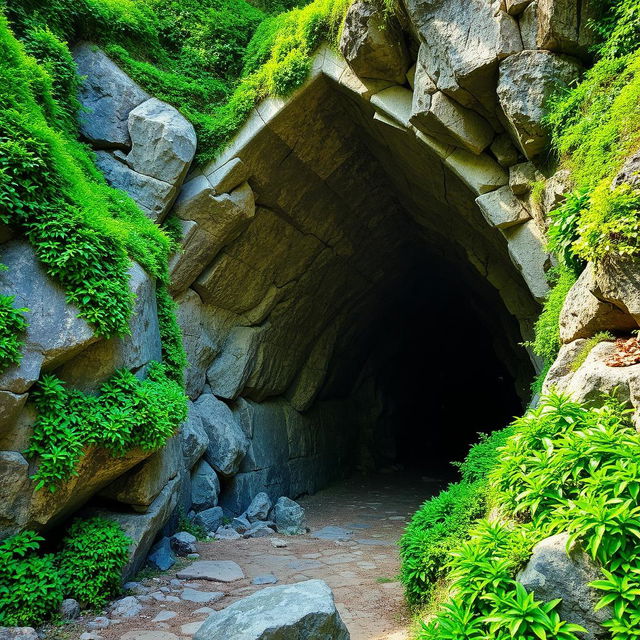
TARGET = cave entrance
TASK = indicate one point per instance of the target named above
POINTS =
(441, 374)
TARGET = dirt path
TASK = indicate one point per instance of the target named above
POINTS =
(362, 571)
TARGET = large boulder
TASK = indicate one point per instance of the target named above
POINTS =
(373, 44)
(108, 95)
(465, 41)
(259, 508)
(54, 334)
(526, 81)
(555, 572)
(286, 612)
(163, 141)
(617, 281)
(205, 487)
(215, 221)
(583, 314)
(153, 196)
(502, 209)
(140, 486)
(193, 437)
(227, 442)
(142, 346)
(15, 488)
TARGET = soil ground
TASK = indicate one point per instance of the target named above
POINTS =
(362, 572)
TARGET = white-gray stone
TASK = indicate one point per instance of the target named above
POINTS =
(286, 612)
(163, 141)
(227, 533)
(227, 442)
(126, 607)
(209, 519)
(201, 597)
(289, 517)
(526, 81)
(183, 543)
(69, 609)
(259, 508)
(213, 570)
(108, 95)
(502, 209)
(193, 437)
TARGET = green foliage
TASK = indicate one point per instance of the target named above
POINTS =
(184, 524)
(443, 521)
(547, 328)
(586, 348)
(174, 357)
(12, 326)
(571, 468)
(93, 554)
(83, 232)
(30, 586)
(127, 413)
(563, 229)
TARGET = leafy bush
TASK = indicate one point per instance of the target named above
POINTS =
(12, 325)
(91, 560)
(30, 586)
(127, 413)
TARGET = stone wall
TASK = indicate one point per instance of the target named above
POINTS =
(422, 137)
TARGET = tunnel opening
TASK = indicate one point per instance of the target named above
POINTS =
(440, 362)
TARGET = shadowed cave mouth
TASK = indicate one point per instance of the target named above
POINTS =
(433, 369)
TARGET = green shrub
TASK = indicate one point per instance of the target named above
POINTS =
(127, 413)
(30, 586)
(483, 456)
(12, 326)
(91, 560)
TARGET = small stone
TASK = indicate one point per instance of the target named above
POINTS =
(204, 611)
(227, 533)
(183, 543)
(214, 570)
(165, 589)
(164, 615)
(176, 583)
(193, 556)
(210, 519)
(101, 622)
(193, 595)
(289, 517)
(332, 532)
(158, 596)
(278, 544)
(161, 556)
(172, 599)
(268, 578)
(241, 524)
(259, 530)
(135, 587)
(259, 508)
(18, 633)
(126, 608)
(87, 635)
(69, 609)
(190, 628)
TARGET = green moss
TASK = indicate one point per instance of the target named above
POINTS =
(546, 344)
(127, 413)
(587, 347)
(174, 357)
(12, 327)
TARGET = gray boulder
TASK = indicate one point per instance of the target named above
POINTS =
(183, 543)
(526, 81)
(466, 39)
(583, 314)
(259, 508)
(193, 437)
(552, 572)
(163, 141)
(227, 533)
(286, 612)
(502, 209)
(227, 442)
(210, 519)
(108, 95)
(18, 633)
(618, 282)
(162, 556)
(205, 487)
(153, 196)
(289, 516)
(260, 529)
(55, 333)
(241, 524)
(126, 607)
(69, 609)
(373, 44)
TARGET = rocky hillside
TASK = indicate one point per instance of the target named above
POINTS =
(213, 216)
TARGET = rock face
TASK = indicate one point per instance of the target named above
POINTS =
(526, 82)
(373, 44)
(109, 95)
(287, 612)
(552, 573)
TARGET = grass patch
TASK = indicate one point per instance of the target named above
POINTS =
(589, 344)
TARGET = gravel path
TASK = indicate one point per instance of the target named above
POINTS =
(361, 569)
